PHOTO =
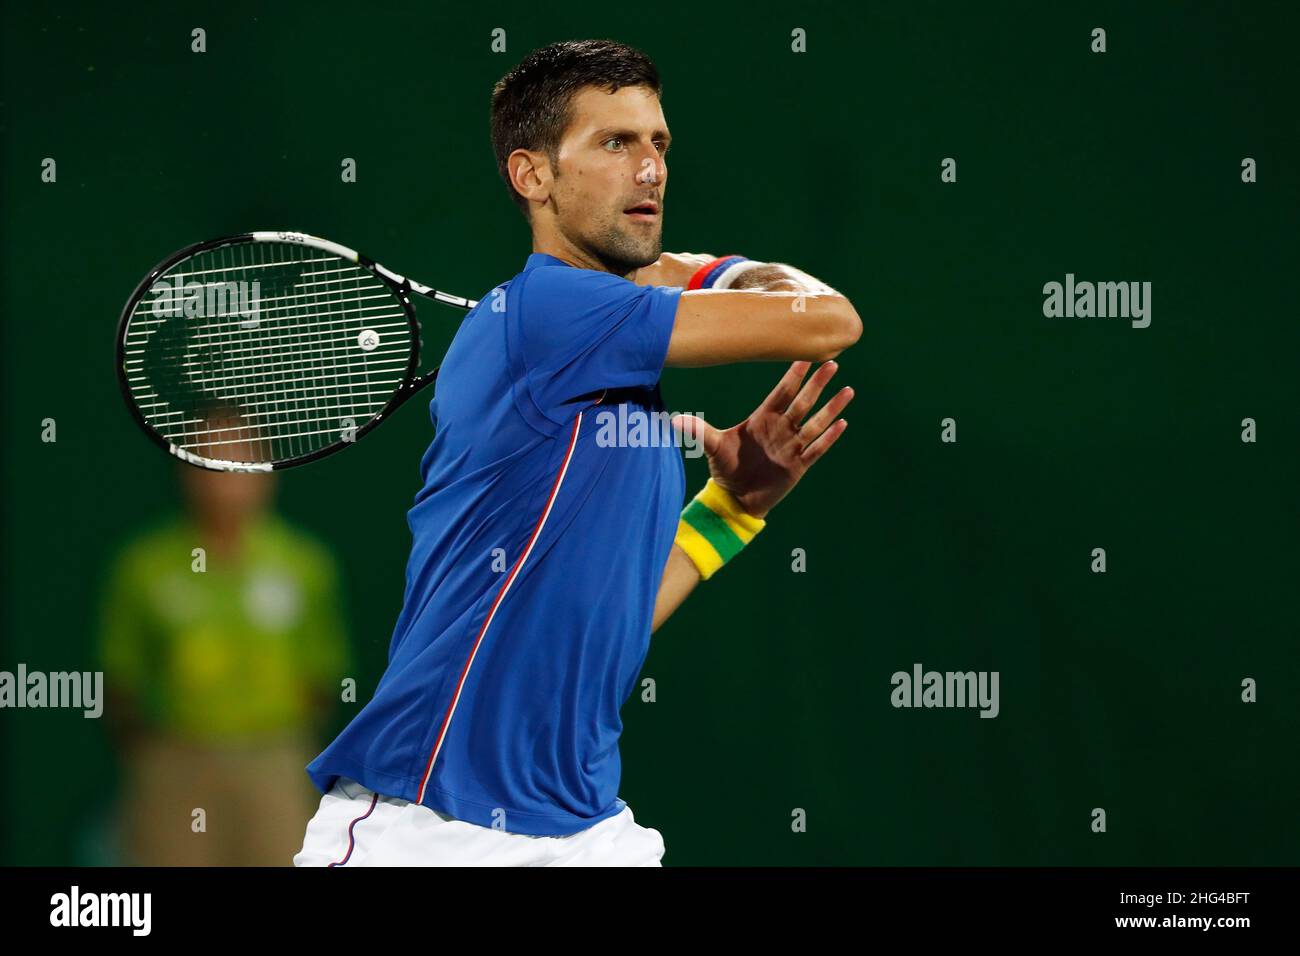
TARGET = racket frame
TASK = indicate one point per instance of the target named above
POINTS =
(400, 286)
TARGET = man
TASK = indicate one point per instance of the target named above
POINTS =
(221, 665)
(543, 556)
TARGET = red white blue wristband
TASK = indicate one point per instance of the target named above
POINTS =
(721, 272)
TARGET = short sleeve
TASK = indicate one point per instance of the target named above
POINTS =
(582, 331)
(122, 646)
(326, 657)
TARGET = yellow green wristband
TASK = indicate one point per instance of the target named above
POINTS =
(714, 528)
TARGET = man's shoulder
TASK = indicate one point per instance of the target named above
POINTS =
(153, 550)
(161, 536)
(558, 278)
(294, 542)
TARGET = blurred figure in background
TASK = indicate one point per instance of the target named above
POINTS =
(220, 669)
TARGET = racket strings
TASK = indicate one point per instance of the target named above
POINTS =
(277, 367)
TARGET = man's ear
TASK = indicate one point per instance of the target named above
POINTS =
(530, 174)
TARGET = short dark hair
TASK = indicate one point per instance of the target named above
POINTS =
(532, 104)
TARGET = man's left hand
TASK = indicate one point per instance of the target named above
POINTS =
(761, 459)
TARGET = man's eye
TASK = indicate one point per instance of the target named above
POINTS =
(614, 139)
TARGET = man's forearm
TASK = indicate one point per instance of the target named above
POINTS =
(679, 580)
(680, 573)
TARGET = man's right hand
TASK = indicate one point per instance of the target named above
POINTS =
(673, 269)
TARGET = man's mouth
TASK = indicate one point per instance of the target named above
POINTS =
(647, 211)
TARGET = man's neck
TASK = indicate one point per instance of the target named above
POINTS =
(225, 536)
(560, 248)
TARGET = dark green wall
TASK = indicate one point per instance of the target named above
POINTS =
(1118, 690)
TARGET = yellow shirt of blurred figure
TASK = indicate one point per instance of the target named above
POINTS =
(238, 651)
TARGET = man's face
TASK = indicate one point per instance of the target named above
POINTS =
(610, 160)
(226, 496)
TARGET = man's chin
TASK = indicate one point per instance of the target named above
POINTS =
(647, 251)
(626, 250)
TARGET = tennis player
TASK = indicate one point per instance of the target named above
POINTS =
(544, 554)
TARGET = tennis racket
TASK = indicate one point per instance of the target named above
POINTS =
(267, 350)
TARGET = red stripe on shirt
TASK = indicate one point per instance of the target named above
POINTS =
(451, 708)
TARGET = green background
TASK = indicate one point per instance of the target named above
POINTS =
(1118, 690)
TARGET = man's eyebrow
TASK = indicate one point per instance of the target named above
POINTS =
(603, 134)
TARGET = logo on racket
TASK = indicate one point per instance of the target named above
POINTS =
(368, 340)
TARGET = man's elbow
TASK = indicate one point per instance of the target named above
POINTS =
(843, 330)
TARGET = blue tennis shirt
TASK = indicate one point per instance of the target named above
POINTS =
(539, 540)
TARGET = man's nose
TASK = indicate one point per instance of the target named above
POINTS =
(652, 171)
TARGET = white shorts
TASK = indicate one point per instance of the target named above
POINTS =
(355, 826)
